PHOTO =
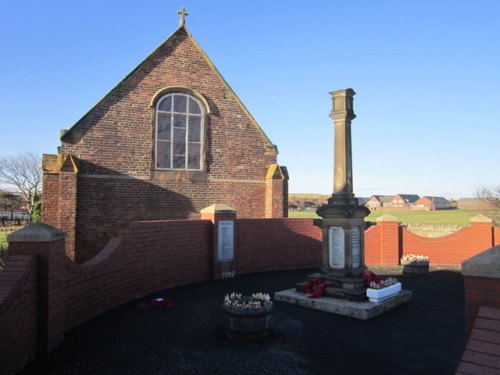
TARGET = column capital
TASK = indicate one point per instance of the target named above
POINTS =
(342, 104)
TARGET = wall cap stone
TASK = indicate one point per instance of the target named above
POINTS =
(480, 218)
(485, 264)
(218, 209)
(38, 232)
(387, 217)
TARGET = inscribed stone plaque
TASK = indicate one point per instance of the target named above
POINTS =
(225, 245)
(356, 248)
(336, 247)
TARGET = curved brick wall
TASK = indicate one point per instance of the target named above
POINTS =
(46, 294)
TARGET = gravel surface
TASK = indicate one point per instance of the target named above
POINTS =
(424, 336)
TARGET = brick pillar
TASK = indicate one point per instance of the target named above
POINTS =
(276, 190)
(223, 219)
(483, 231)
(389, 240)
(59, 201)
(482, 283)
(47, 244)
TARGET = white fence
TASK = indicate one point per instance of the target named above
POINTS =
(14, 215)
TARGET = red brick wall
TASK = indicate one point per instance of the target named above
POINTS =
(18, 311)
(152, 256)
(50, 206)
(117, 135)
(114, 143)
(156, 255)
(373, 243)
(104, 205)
(479, 291)
(277, 244)
(386, 242)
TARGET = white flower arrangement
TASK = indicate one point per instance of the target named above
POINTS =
(254, 301)
(412, 259)
(384, 283)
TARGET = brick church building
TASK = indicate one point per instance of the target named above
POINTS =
(167, 141)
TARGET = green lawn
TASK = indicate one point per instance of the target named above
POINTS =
(3, 239)
(459, 217)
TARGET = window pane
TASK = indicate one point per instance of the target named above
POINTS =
(180, 121)
(194, 107)
(179, 161)
(194, 129)
(180, 103)
(165, 103)
(194, 156)
(164, 126)
(163, 155)
(179, 141)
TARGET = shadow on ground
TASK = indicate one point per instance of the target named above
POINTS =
(424, 336)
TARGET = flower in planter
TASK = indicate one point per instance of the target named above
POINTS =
(254, 301)
(416, 260)
(384, 283)
(369, 277)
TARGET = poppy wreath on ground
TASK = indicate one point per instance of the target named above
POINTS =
(370, 277)
(314, 288)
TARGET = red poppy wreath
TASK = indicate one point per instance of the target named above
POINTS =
(314, 288)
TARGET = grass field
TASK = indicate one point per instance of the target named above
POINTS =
(3, 239)
(458, 217)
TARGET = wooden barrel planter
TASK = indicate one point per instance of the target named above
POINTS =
(416, 270)
(247, 323)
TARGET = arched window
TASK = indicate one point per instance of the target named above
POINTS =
(179, 132)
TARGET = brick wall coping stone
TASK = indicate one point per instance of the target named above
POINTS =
(38, 232)
(217, 208)
(387, 217)
(480, 219)
(485, 264)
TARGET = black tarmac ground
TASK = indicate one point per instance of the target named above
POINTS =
(424, 336)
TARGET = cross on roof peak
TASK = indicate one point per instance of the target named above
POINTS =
(183, 14)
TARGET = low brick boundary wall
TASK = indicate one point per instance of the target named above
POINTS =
(50, 294)
(388, 241)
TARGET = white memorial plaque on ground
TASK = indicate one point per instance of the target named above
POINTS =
(356, 249)
(336, 247)
(225, 245)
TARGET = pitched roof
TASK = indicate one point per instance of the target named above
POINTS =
(410, 198)
(271, 148)
(436, 199)
(382, 198)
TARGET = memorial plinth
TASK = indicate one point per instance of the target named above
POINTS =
(343, 221)
(359, 310)
(343, 225)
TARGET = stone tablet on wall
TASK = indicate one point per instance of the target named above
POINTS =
(336, 247)
(356, 248)
(225, 243)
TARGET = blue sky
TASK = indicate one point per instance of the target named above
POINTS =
(426, 73)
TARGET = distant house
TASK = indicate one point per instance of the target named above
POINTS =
(433, 203)
(363, 200)
(378, 201)
(404, 201)
(293, 207)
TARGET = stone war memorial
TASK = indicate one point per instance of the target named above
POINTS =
(343, 227)
(169, 140)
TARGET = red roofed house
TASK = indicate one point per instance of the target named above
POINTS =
(433, 203)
